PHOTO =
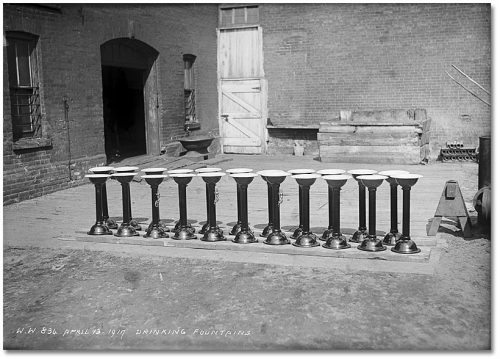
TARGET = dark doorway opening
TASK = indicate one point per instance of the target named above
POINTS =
(130, 99)
(123, 99)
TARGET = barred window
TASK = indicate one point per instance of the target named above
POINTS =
(24, 84)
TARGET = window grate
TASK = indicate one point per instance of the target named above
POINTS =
(26, 112)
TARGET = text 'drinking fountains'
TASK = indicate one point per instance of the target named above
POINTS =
(405, 245)
(274, 178)
(244, 235)
(333, 236)
(213, 233)
(298, 231)
(360, 235)
(183, 229)
(205, 227)
(105, 170)
(393, 235)
(154, 229)
(100, 227)
(306, 237)
(125, 229)
(237, 227)
(129, 169)
(372, 243)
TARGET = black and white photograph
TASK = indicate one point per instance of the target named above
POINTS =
(247, 177)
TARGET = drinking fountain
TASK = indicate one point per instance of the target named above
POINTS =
(393, 235)
(105, 170)
(330, 171)
(360, 235)
(154, 171)
(239, 170)
(213, 232)
(305, 237)
(183, 229)
(372, 243)
(333, 236)
(207, 169)
(173, 172)
(244, 235)
(269, 228)
(180, 170)
(205, 227)
(298, 231)
(126, 229)
(154, 229)
(237, 227)
(275, 178)
(126, 169)
(100, 227)
(405, 245)
(129, 169)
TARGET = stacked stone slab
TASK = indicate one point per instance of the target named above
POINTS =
(386, 136)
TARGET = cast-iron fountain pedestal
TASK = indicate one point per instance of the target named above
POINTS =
(100, 227)
(244, 235)
(213, 233)
(405, 245)
(372, 243)
(360, 235)
(333, 236)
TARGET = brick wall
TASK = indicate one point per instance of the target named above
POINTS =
(320, 59)
(69, 42)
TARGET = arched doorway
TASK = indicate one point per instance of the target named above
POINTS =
(130, 99)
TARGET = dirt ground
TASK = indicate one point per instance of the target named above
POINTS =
(77, 300)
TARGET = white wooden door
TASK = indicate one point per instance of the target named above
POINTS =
(242, 91)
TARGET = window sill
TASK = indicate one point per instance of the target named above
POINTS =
(31, 143)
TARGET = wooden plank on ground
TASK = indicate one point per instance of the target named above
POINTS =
(352, 253)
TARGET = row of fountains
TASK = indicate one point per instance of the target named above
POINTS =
(303, 236)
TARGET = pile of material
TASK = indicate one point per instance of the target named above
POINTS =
(455, 151)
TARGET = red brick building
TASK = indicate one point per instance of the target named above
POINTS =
(99, 79)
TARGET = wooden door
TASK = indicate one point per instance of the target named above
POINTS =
(151, 113)
(242, 91)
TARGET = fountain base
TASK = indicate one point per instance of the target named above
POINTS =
(276, 238)
(306, 240)
(372, 244)
(359, 236)
(336, 242)
(126, 231)
(214, 234)
(245, 237)
(184, 232)
(156, 232)
(405, 246)
(391, 238)
(99, 229)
